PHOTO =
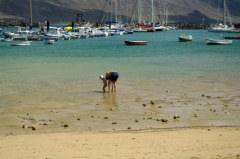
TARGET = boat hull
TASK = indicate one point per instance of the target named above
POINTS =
(232, 37)
(184, 38)
(49, 41)
(218, 42)
(135, 42)
(21, 44)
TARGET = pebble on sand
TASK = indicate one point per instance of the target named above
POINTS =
(164, 120)
(176, 117)
(65, 125)
(152, 102)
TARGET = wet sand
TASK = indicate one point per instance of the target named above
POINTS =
(141, 120)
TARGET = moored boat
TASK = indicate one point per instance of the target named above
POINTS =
(185, 38)
(135, 42)
(25, 43)
(139, 30)
(218, 41)
(150, 30)
(232, 37)
(49, 41)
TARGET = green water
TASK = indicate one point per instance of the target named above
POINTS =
(76, 64)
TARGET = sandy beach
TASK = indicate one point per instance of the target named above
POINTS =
(182, 143)
(186, 121)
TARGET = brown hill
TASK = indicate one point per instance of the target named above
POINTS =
(62, 11)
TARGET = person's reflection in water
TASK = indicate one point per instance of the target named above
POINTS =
(110, 100)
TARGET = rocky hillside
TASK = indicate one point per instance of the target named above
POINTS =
(62, 11)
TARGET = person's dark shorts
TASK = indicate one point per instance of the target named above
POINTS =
(114, 76)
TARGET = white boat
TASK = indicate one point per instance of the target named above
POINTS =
(139, 30)
(223, 27)
(25, 43)
(218, 41)
(49, 41)
(8, 39)
(160, 28)
(185, 38)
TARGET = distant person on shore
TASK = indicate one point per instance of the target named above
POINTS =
(110, 79)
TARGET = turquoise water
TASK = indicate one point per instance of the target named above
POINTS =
(77, 64)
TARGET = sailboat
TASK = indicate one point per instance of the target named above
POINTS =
(223, 27)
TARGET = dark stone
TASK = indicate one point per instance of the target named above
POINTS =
(164, 120)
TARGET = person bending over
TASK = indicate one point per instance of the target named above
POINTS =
(110, 79)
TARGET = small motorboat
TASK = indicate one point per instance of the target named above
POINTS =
(49, 41)
(135, 42)
(130, 32)
(25, 43)
(185, 38)
(150, 30)
(232, 37)
(7, 39)
(139, 30)
(218, 41)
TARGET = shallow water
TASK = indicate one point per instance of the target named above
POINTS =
(64, 76)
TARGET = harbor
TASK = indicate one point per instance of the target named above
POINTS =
(176, 86)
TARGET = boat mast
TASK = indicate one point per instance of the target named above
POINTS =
(116, 11)
(218, 12)
(139, 11)
(111, 11)
(152, 12)
(30, 14)
(127, 12)
(224, 12)
(164, 12)
(166, 15)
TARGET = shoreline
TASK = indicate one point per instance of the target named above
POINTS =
(185, 143)
(132, 107)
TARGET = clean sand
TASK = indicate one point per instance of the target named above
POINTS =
(181, 143)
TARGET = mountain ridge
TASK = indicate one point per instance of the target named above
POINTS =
(62, 11)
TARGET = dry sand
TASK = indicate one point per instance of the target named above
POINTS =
(181, 143)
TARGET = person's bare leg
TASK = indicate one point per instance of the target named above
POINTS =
(112, 87)
(109, 83)
(115, 86)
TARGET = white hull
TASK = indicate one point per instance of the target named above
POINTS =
(49, 41)
(184, 38)
(218, 41)
(25, 43)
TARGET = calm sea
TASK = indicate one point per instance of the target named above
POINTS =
(73, 66)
